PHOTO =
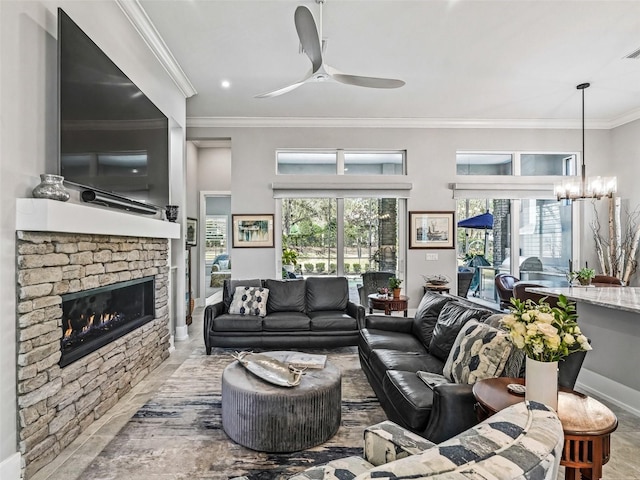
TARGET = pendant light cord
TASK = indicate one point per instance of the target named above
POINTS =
(582, 87)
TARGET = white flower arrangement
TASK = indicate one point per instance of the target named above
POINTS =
(544, 333)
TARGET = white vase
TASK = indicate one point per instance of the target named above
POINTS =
(541, 380)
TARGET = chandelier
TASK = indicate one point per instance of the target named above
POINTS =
(576, 188)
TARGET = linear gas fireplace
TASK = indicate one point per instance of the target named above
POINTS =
(96, 317)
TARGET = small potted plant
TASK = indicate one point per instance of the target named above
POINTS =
(394, 284)
(585, 275)
(289, 259)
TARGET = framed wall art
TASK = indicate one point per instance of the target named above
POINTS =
(431, 230)
(252, 231)
(192, 232)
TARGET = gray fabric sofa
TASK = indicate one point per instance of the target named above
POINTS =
(312, 312)
(522, 442)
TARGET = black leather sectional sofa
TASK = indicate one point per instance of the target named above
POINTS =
(393, 349)
(312, 312)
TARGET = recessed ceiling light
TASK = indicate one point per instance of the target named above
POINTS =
(225, 84)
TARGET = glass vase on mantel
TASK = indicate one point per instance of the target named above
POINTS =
(51, 187)
(541, 381)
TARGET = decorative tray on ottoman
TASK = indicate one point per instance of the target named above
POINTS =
(270, 369)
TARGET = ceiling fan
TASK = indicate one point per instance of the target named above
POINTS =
(320, 71)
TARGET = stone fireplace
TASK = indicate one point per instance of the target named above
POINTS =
(72, 289)
(94, 318)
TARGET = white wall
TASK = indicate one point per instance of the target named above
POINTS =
(214, 169)
(625, 142)
(28, 134)
(431, 168)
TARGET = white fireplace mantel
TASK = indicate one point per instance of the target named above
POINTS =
(42, 215)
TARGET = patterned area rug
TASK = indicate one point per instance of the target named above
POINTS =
(178, 434)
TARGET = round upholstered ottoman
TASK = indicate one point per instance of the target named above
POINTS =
(269, 418)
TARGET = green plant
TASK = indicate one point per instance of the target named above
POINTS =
(308, 267)
(395, 282)
(584, 275)
(357, 268)
(320, 266)
(333, 268)
(545, 334)
(347, 267)
(289, 256)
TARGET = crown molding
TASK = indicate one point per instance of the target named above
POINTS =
(629, 117)
(324, 122)
(214, 143)
(142, 23)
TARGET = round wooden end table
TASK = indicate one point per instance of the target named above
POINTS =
(587, 424)
(388, 304)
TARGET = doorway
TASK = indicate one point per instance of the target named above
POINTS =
(217, 241)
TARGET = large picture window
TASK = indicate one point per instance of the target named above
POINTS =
(344, 236)
(530, 235)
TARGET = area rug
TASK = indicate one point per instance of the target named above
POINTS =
(178, 434)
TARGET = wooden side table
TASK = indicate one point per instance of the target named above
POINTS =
(388, 304)
(587, 424)
(436, 288)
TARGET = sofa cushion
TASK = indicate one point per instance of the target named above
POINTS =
(371, 339)
(285, 322)
(450, 321)
(411, 398)
(249, 301)
(229, 288)
(332, 321)
(427, 314)
(382, 360)
(480, 351)
(523, 441)
(228, 322)
(286, 295)
(327, 293)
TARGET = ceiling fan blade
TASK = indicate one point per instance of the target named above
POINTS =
(308, 34)
(280, 91)
(371, 82)
(286, 89)
(360, 81)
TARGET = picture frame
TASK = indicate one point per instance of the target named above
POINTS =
(192, 232)
(252, 231)
(431, 230)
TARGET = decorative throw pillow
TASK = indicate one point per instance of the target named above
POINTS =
(479, 351)
(250, 301)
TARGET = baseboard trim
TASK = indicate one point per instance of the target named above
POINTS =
(10, 467)
(621, 395)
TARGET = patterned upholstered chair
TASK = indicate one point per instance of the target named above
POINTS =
(522, 442)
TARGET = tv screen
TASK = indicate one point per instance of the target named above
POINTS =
(113, 139)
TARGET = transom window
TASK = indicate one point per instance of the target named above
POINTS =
(340, 162)
(516, 163)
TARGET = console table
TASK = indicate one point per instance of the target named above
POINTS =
(388, 304)
(587, 424)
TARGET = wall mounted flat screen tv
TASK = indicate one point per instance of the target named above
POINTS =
(113, 139)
